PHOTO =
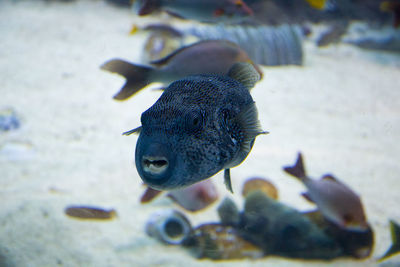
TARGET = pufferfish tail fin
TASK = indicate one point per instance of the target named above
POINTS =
(244, 73)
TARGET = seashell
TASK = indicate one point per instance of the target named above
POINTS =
(162, 41)
(219, 242)
(90, 213)
(228, 212)
(168, 226)
(195, 197)
(192, 198)
(257, 183)
(8, 120)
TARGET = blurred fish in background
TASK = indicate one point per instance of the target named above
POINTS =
(204, 57)
(201, 10)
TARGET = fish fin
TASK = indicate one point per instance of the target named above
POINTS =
(395, 247)
(297, 169)
(149, 195)
(136, 76)
(329, 177)
(332, 178)
(227, 180)
(250, 125)
(148, 7)
(244, 73)
(136, 130)
(307, 197)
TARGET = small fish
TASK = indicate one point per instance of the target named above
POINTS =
(202, 10)
(336, 201)
(199, 126)
(204, 57)
(394, 7)
(90, 213)
(192, 198)
(395, 247)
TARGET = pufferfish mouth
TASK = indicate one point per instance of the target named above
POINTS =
(154, 165)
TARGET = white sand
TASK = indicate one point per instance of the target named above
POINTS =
(342, 110)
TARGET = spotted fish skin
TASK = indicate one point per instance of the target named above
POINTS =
(200, 125)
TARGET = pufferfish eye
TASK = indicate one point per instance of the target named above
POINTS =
(194, 120)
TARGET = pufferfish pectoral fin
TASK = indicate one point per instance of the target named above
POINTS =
(395, 247)
(227, 180)
(136, 130)
(250, 125)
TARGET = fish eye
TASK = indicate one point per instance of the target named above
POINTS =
(194, 121)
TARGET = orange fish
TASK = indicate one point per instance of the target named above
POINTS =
(335, 200)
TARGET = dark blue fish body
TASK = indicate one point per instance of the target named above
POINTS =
(199, 126)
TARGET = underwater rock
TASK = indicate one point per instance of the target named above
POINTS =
(228, 212)
(8, 120)
(357, 244)
(90, 213)
(257, 183)
(219, 242)
(168, 226)
(282, 230)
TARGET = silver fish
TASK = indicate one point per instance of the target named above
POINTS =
(336, 201)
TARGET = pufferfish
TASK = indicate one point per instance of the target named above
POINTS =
(199, 126)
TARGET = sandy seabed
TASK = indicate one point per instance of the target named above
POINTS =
(341, 109)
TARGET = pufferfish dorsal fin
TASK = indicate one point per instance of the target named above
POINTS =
(244, 73)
